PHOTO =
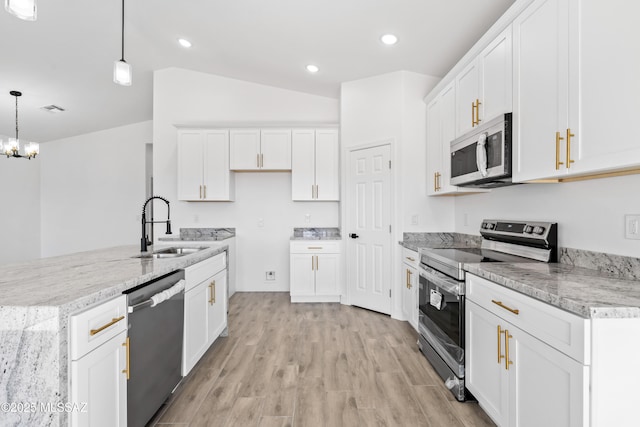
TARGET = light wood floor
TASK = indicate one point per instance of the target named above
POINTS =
(314, 365)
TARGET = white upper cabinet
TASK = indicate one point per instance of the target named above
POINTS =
(203, 165)
(441, 120)
(255, 149)
(315, 164)
(575, 88)
(484, 87)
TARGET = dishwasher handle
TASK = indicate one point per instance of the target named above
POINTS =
(159, 298)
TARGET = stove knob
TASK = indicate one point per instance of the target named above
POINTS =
(490, 226)
(528, 229)
(538, 230)
(485, 225)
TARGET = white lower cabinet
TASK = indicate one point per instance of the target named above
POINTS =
(205, 308)
(409, 281)
(315, 271)
(98, 368)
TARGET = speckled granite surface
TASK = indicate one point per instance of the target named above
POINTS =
(37, 299)
(585, 292)
(617, 265)
(201, 234)
(415, 241)
(331, 233)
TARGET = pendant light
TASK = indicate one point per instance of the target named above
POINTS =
(23, 9)
(12, 147)
(121, 70)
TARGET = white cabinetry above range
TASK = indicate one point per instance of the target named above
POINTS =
(260, 149)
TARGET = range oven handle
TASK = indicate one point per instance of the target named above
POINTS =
(452, 287)
(481, 154)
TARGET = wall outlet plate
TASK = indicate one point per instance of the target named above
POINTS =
(270, 275)
(632, 227)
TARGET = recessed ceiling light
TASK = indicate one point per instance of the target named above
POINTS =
(312, 68)
(389, 39)
(184, 42)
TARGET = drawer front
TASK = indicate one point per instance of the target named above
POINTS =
(410, 257)
(315, 247)
(203, 270)
(91, 328)
(559, 329)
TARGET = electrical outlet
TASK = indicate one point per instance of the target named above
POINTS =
(260, 222)
(632, 227)
(415, 219)
(196, 219)
(307, 218)
(465, 219)
(270, 275)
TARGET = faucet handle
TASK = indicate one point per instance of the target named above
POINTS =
(168, 227)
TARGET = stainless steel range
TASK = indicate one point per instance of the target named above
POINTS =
(441, 291)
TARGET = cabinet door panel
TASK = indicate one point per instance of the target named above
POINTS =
(302, 274)
(540, 88)
(483, 369)
(327, 164)
(97, 379)
(216, 165)
(303, 164)
(327, 274)
(196, 333)
(466, 94)
(244, 146)
(541, 377)
(190, 164)
(495, 67)
(434, 146)
(447, 134)
(275, 146)
(216, 306)
(409, 281)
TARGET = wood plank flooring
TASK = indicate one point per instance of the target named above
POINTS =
(314, 365)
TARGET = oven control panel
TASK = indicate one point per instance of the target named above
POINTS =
(519, 230)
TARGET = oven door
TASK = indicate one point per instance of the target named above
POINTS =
(483, 154)
(442, 317)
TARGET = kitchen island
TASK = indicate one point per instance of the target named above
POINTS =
(37, 299)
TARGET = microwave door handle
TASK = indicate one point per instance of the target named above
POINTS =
(481, 154)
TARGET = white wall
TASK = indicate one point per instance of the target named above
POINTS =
(93, 188)
(19, 209)
(590, 214)
(188, 97)
(390, 108)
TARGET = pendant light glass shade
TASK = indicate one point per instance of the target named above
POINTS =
(122, 73)
(23, 9)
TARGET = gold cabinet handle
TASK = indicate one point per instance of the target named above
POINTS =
(410, 259)
(201, 191)
(103, 327)
(261, 160)
(435, 181)
(407, 284)
(500, 356)
(500, 304)
(507, 362)
(317, 187)
(314, 247)
(409, 273)
(473, 118)
(569, 135)
(478, 111)
(258, 160)
(558, 139)
(205, 191)
(313, 265)
(212, 292)
(127, 370)
(317, 263)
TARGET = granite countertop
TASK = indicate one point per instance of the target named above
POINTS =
(582, 291)
(84, 278)
(330, 233)
(201, 235)
(416, 241)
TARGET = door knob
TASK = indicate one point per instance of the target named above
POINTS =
(353, 235)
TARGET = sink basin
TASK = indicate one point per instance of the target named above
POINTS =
(172, 252)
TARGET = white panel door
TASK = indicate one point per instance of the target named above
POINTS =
(195, 326)
(303, 274)
(546, 387)
(327, 274)
(484, 362)
(303, 164)
(466, 95)
(244, 146)
(540, 89)
(190, 164)
(495, 68)
(275, 146)
(216, 165)
(97, 380)
(327, 164)
(369, 223)
(216, 306)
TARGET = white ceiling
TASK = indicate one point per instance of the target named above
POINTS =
(66, 56)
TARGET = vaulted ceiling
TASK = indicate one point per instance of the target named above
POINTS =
(66, 56)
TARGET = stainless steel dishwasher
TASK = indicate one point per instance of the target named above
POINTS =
(156, 317)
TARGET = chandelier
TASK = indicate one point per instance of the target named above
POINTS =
(12, 147)
(122, 73)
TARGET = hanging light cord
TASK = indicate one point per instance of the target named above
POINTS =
(122, 59)
(16, 118)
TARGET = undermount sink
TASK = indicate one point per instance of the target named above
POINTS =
(172, 252)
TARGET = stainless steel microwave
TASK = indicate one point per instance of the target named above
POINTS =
(482, 158)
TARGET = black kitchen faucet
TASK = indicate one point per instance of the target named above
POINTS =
(144, 241)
